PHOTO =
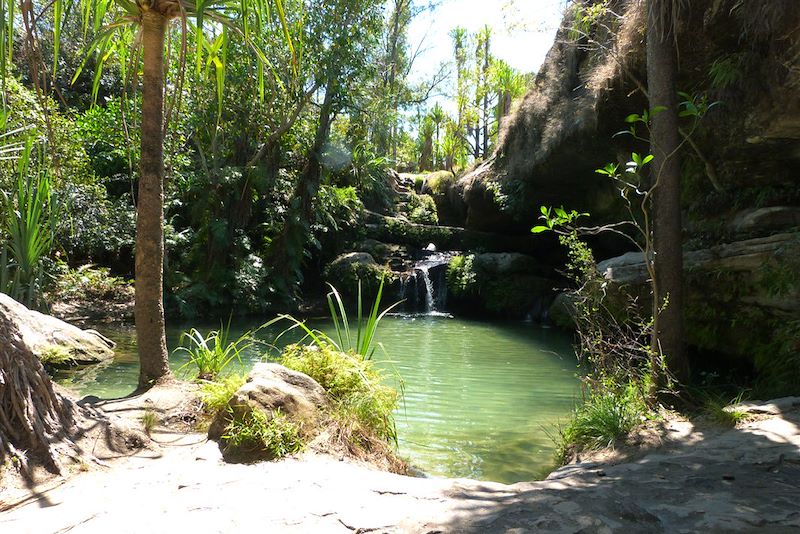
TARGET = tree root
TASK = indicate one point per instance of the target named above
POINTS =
(33, 416)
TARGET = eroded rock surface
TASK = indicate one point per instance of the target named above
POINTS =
(711, 480)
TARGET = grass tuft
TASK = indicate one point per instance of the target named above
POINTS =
(605, 416)
(724, 413)
(149, 421)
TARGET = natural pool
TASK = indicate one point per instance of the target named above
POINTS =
(481, 398)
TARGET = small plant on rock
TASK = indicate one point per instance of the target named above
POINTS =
(215, 395)
(149, 421)
(275, 435)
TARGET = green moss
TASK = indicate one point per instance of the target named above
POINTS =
(440, 182)
(418, 234)
(56, 356)
(422, 209)
(346, 277)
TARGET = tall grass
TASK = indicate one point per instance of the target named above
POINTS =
(27, 228)
(211, 353)
(358, 337)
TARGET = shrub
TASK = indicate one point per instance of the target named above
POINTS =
(275, 435)
(212, 353)
(215, 395)
(87, 282)
(461, 276)
(355, 386)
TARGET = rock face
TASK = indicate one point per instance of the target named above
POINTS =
(743, 301)
(505, 284)
(40, 332)
(272, 387)
(549, 147)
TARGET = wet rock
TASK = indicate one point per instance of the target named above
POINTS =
(42, 332)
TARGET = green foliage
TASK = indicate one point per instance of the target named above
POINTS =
(369, 171)
(339, 208)
(27, 228)
(354, 384)
(607, 414)
(585, 17)
(461, 275)
(87, 282)
(726, 71)
(422, 209)
(356, 278)
(274, 435)
(366, 327)
(557, 217)
(212, 353)
(215, 395)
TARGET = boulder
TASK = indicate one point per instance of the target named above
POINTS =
(562, 311)
(348, 270)
(42, 332)
(271, 387)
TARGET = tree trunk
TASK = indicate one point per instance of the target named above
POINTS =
(287, 250)
(668, 335)
(149, 307)
(33, 417)
(486, 98)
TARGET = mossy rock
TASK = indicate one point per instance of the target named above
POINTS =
(346, 271)
(438, 183)
(493, 287)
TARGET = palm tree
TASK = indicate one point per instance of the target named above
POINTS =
(438, 116)
(668, 336)
(212, 21)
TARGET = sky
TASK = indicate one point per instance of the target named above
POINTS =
(522, 31)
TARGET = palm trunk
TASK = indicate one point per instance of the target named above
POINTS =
(668, 336)
(149, 307)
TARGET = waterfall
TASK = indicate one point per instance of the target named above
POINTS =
(430, 305)
(424, 287)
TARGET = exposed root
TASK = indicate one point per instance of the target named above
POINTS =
(33, 416)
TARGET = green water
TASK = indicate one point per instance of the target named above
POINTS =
(481, 398)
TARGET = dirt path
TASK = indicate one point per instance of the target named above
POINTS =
(743, 479)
